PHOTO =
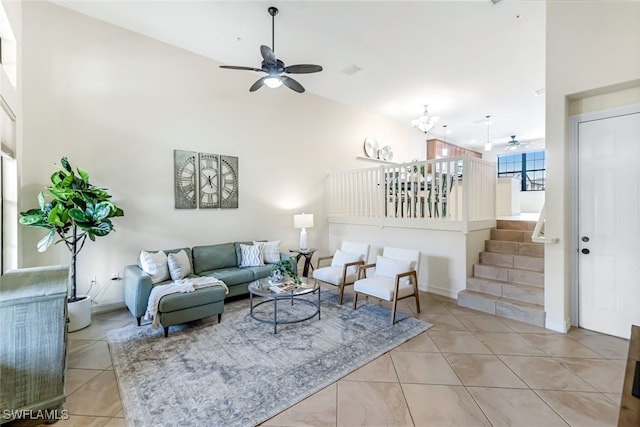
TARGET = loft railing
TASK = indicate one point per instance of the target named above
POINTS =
(459, 189)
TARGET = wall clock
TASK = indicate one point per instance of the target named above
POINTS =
(209, 180)
(228, 182)
(185, 179)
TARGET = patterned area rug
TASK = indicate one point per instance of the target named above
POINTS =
(238, 373)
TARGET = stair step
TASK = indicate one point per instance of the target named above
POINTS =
(522, 262)
(511, 235)
(512, 275)
(522, 293)
(505, 224)
(516, 248)
(477, 301)
(529, 313)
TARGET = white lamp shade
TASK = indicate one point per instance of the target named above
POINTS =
(303, 220)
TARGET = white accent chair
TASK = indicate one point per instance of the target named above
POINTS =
(394, 277)
(344, 265)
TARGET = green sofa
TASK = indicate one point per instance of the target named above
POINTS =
(220, 261)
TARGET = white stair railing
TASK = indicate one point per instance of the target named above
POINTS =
(538, 233)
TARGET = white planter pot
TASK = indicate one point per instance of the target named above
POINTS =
(79, 313)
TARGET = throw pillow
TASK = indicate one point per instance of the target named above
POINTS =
(340, 258)
(155, 265)
(251, 255)
(388, 267)
(271, 251)
(179, 265)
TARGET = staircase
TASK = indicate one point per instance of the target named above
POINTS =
(509, 280)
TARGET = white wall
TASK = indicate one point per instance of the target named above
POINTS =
(447, 257)
(118, 104)
(591, 46)
(531, 201)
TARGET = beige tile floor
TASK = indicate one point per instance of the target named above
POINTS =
(470, 369)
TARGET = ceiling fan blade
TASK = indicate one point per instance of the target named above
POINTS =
(237, 67)
(268, 55)
(258, 84)
(292, 84)
(302, 69)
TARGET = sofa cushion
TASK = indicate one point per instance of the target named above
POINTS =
(179, 265)
(214, 257)
(260, 272)
(155, 265)
(252, 255)
(239, 251)
(182, 300)
(231, 276)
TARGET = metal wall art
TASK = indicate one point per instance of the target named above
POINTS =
(208, 179)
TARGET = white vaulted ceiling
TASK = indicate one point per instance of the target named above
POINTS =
(466, 59)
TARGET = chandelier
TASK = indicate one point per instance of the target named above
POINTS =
(425, 122)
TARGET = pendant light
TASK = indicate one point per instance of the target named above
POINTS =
(445, 149)
(487, 145)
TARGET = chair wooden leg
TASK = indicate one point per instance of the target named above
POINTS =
(415, 290)
(393, 310)
(341, 293)
(355, 299)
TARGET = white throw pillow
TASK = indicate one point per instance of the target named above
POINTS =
(179, 265)
(271, 251)
(388, 267)
(155, 265)
(340, 258)
(252, 255)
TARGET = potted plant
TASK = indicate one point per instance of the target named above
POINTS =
(284, 269)
(76, 210)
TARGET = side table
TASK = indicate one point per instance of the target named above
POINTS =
(307, 254)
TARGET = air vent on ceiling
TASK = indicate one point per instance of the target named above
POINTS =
(351, 70)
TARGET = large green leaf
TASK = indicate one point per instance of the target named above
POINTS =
(84, 175)
(65, 164)
(78, 215)
(46, 241)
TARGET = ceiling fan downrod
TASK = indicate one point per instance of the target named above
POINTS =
(273, 11)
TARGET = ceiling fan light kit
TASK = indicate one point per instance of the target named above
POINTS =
(275, 67)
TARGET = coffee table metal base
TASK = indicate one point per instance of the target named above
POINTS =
(280, 297)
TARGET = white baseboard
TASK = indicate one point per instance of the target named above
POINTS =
(443, 292)
(103, 308)
(562, 326)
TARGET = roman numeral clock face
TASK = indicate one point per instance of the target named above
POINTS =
(209, 180)
(185, 179)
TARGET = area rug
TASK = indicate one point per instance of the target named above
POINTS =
(238, 373)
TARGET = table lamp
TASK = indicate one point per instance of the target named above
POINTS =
(303, 221)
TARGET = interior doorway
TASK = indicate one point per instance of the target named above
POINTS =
(607, 212)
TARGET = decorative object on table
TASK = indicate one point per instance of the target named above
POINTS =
(425, 122)
(303, 221)
(275, 67)
(240, 365)
(287, 269)
(371, 147)
(77, 210)
(204, 179)
(185, 179)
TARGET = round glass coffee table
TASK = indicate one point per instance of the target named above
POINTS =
(261, 288)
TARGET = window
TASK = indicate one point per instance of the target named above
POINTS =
(531, 165)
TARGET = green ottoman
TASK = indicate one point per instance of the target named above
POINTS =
(177, 308)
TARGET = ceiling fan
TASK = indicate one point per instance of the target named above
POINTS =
(514, 144)
(275, 67)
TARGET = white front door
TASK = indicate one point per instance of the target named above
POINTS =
(609, 224)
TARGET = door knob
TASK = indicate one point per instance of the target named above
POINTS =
(585, 239)
(586, 251)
